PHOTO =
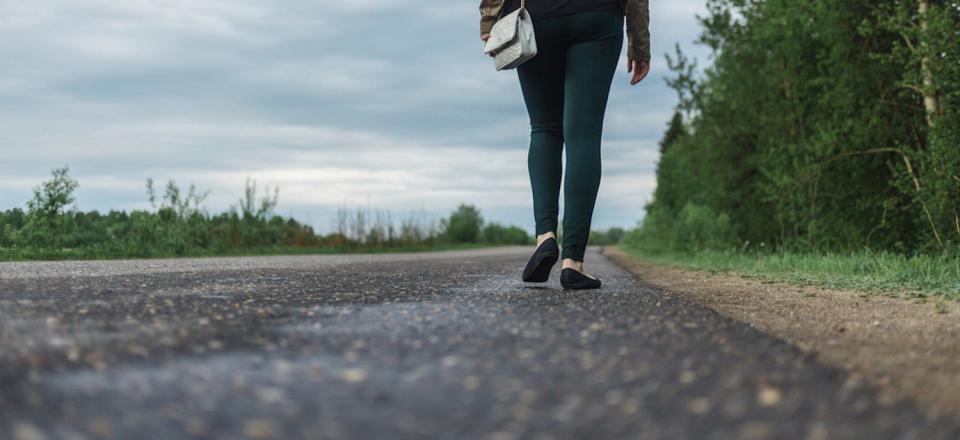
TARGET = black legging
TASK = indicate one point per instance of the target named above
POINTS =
(565, 88)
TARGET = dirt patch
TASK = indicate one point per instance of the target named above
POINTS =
(909, 349)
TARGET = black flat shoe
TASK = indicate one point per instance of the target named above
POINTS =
(572, 279)
(542, 260)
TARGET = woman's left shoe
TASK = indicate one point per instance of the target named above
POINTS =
(574, 279)
(541, 262)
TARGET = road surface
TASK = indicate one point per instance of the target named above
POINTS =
(443, 345)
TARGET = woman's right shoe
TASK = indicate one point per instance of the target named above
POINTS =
(541, 262)
(573, 279)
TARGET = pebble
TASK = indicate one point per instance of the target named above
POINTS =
(353, 375)
(27, 431)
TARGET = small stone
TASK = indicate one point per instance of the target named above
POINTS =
(258, 429)
(768, 395)
(818, 431)
(527, 397)
(195, 426)
(269, 394)
(450, 361)
(687, 376)
(101, 427)
(353, 375)
(630, 406)
(138, 350)
(699, 406)
(471, 382)
(502, 435)
(613, 397)
(26, 431)
(756, 431)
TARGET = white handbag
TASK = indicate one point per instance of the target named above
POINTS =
(512, 39)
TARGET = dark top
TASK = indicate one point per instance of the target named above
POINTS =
(552, 8)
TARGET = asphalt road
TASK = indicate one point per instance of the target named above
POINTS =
(449, 345)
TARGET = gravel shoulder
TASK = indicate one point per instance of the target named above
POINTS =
(907, 348)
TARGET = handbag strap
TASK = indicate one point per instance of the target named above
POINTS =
(523, 5)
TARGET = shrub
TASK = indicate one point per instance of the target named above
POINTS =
(696, 228)
(495, 233)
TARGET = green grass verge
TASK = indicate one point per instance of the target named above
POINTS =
(913, 277)
(9, 255)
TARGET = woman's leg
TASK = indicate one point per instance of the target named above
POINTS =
(542, 83)
(591, 60)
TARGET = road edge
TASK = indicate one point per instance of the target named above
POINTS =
(878, 338)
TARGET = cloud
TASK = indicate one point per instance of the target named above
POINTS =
(368, 101)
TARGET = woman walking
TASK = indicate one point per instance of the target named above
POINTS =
(565, 89)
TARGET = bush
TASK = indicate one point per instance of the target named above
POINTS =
(700, 228)
(696, 228)
(609, 237)
(495, 233)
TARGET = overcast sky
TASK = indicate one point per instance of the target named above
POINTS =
(382, 103)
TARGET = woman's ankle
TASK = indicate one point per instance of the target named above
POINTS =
(569, 263)
(543, 237)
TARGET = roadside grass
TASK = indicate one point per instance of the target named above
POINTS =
(917, 277)
(14, 255)
(178, 225)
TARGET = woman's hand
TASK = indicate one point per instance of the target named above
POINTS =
(639, 68)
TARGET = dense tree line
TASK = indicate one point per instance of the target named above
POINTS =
(178, 224)
(821, 125)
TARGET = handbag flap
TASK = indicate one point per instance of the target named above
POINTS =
(504, 31)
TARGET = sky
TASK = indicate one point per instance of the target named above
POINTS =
(383, 104)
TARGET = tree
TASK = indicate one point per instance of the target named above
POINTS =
(463, 225)
(826, 125)
(46, 223)
(675, 131)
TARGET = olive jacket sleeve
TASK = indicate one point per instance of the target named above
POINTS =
(638, 24)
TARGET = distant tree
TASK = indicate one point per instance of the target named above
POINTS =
(46, 223)
(463, 225)
(609, 237)
(616, 234)
(10, 222)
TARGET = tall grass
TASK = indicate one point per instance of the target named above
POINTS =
(357, 227)
(701, 238)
